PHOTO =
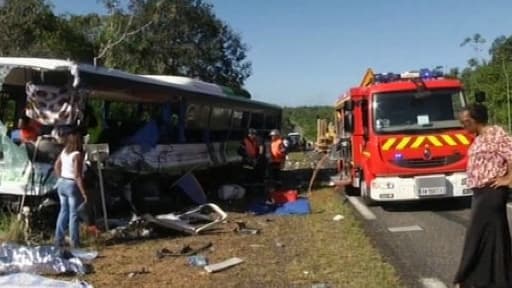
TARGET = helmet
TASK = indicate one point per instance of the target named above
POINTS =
(274, 132)
(251, 131)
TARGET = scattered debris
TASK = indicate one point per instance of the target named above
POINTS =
(279, 244)
(197, 260)
(223, 265)
(256, 246)
(242, 229)
(249, 231)
(184, 251)
(183, 222)
(338, 217)
(138, 272)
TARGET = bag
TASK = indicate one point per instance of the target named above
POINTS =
(284, 196)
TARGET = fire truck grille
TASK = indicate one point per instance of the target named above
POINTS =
(424, 163)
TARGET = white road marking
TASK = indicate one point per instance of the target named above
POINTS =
(432, 283)
(405, 228)
(361, 208)
(509, 206)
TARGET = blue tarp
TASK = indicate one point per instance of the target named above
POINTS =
(298, 207)
(146, 137)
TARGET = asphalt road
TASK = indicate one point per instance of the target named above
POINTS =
(423, 240)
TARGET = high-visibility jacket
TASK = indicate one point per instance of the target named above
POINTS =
(277, 151)
(251, 148)
(30, 132)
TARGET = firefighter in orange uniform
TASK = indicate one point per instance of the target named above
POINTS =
(277, 154)
(251, 150)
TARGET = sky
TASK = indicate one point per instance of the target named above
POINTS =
(307, 52)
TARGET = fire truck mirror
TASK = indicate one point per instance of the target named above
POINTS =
(480, 96)
(348, 122)
(349, 105)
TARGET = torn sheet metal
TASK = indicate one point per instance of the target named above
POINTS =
(185, 222)
(35, 281)
(43, 260)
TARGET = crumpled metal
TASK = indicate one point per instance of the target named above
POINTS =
(44, 259)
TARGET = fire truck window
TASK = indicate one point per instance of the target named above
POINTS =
(364, 109)
(396, 111)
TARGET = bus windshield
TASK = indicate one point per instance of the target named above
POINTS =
(417, 111)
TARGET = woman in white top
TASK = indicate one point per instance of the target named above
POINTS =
(71, 189)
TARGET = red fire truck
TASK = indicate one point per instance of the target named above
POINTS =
(399, 137)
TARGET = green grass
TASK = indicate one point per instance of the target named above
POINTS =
(313, 249)
(11, 229)
(337, 253)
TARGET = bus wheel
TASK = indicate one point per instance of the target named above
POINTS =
(365, 194)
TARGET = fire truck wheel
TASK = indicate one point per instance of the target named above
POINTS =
(365, 194)
(351, 191)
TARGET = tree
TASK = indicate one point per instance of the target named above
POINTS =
(174, 37)
(493, 77)
(29, 28)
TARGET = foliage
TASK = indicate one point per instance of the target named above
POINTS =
(174, 37)
(303, 119)
(491, 75)
(29, 28)
(179, 38)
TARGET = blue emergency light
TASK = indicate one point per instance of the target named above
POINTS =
(423, 74)
(386, 77)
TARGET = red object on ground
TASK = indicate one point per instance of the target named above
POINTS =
(284, 196)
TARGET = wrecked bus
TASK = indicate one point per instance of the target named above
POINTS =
(148, 129)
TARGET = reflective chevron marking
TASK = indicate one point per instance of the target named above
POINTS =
(462, 139)
(388, 144)
(418, 142)
(435, 141)
(448, 139)
(403, 143)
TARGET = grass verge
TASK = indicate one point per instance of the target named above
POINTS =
(292, 251)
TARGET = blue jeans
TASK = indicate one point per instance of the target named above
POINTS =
(70, 199)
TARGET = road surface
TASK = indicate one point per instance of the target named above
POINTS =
(422, 240)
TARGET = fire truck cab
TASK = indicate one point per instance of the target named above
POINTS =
(399, 137)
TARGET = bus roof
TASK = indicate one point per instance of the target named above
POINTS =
(83, 72)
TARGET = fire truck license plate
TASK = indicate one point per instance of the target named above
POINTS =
(429, 191)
